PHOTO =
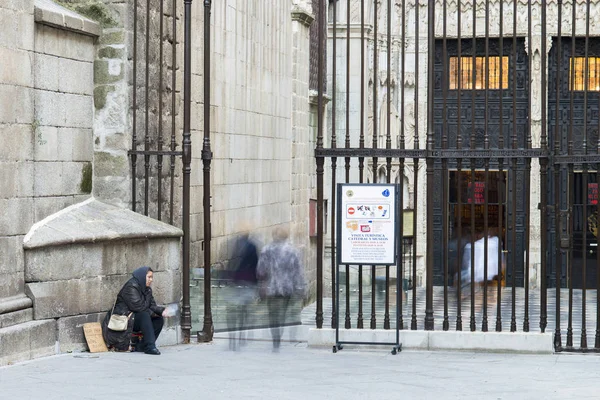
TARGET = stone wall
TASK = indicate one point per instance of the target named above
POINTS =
(251, 121)
(16, 136)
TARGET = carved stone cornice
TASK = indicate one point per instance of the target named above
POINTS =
(302, 15)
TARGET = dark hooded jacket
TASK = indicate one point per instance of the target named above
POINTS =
(134, 297)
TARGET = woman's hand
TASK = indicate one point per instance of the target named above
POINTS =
(165, 314)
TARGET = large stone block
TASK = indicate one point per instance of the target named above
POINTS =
(27, 341)
(18, 70)
(17, 142)
(70, 331)
(74, 297)
(45, 68)
(17, 216)
(11, 249)
(80, 112)
(167, 287)
(16, 104)
(79, 144)
(16, 317)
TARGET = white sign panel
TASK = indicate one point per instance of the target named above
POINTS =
(368, 224)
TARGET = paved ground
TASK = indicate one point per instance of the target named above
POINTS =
(211, 371)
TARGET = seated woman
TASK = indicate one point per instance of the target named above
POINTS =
(136, 298)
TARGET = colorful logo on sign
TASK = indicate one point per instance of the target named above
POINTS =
(386, 193)
(351, 210)
(365, 228)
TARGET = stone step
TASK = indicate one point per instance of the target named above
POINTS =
(16, 317)
(27, 341)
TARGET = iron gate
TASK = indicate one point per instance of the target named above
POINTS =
(495, 97)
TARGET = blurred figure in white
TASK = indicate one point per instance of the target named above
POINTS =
(493, 244)
(281, 277)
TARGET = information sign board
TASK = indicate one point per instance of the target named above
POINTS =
(367, 226)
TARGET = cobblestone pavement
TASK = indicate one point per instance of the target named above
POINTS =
(211, 371)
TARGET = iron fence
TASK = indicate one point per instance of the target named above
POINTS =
(493, 116)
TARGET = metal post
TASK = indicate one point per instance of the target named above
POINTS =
(186, 324)
(207, 330)
(320, 169)
(430, 177)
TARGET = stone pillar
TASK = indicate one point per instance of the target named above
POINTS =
(17, 139)
(301, 149)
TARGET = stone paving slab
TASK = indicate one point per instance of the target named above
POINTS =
(211, 371)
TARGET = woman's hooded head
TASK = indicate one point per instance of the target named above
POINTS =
(140, 275)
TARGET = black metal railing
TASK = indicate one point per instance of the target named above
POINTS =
(502, 115)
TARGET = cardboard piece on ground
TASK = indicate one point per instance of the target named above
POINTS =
(93, 337)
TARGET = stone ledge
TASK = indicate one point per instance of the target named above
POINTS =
(46, 12)
(27, 341)
(15, 303)
(504, 342)
(313, 98)
(93, 221)
(302, 15)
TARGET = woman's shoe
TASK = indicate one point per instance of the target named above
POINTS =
(153, 351)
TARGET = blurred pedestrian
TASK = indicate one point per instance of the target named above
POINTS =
(243, 289)
(281, 277)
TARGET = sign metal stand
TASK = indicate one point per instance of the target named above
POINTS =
(368, 234)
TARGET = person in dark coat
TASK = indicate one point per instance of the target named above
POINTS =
(136, 298)
(242, 290)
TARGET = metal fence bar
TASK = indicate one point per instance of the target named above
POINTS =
(486, 146)
(173, 110)
(334, 266)
(501, 181)
(320, 164)
(557, 171)
(459, 139)
(147, 113)
(544, 212)
(373, 321)
(528, 166)
(472, 324)
(445, 194)
(513, 223)
(413, 322)
(134, 113)
(347, 321)
(160, 107)
(388, 145)
(402, 146)
(361, 144)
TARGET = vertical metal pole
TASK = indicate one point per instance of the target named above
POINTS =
(501, 180)
(320, 169)
(513, 223)
(486, 146)
(402, 146)
(361, 144)
(571, 189)
(373, 324)
(207, 329)
(186, 320)
(173, 109)
(430, 160)
(528, 176)
(134, 111)
(347, 321)
(160, 110)
(388, 145)
(557, 173)
(413, 319)
(445, 177)
(586, 78)
(147, 122)
(544, 180)
(472, 324)
(459, 69)
(334, 274)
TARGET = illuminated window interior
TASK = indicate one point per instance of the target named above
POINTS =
(578, 71)
(466, 73)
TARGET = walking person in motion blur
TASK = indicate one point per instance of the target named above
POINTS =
(281, 277)
(242, 273)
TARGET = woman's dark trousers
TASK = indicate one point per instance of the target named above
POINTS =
(277, 306)
(150, 328)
